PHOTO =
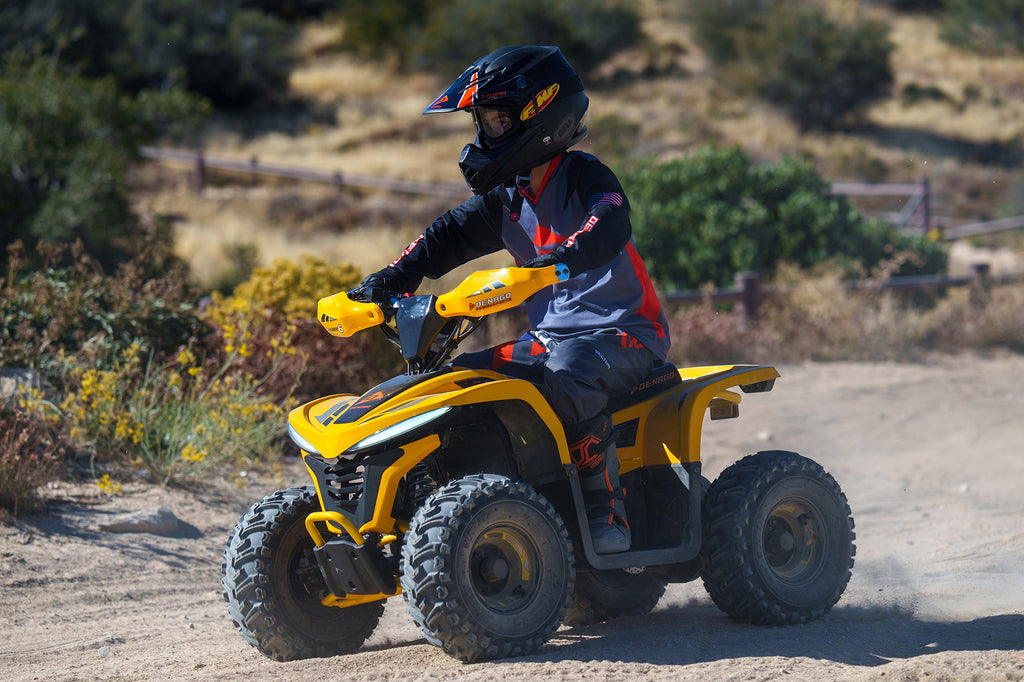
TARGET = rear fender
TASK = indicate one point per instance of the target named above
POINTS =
(667, 428)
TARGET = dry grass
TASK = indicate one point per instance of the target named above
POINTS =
(985, 93)
(820, 320)
(376, 128)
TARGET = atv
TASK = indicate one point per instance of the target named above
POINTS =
(454, 488)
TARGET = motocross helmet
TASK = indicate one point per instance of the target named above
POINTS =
(528, 105)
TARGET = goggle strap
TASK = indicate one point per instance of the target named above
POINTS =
(522, 187)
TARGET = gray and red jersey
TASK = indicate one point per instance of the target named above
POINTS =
(581, 216)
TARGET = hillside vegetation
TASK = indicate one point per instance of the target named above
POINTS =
(954, 117)
(193, 324)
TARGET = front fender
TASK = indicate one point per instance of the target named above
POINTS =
(334, 424)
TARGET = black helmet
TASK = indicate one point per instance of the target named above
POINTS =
(528, 105)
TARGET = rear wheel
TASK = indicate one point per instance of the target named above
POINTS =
(778, 540)
(274, 587)
(603, 595)
(487, 568)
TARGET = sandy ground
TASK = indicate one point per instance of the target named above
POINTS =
(931, 457)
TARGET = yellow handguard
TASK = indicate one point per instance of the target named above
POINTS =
(491, 291)
(341, 316)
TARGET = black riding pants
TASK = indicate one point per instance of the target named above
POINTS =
(575, 375)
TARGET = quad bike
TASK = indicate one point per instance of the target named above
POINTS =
(454, 488)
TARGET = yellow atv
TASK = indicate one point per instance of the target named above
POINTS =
(454, 488)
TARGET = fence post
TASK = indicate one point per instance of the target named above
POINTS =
(926, 206)
(198, 173)
(749, 286)
(981, 283)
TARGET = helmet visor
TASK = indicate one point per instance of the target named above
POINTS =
(495, 124)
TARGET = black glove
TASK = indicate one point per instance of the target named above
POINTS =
(380, 287)
(542, 261)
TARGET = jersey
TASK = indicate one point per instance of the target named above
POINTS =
(581, 216)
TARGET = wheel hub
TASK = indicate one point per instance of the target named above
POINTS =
(791, 540)
(501, 568)
(493, 570)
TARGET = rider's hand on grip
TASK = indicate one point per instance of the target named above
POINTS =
(377, 295)
(380, 287)
(542, 261)
(547, 259)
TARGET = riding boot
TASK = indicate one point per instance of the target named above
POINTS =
(592, 450)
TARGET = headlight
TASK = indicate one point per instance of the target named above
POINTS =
(401, 428)
(303, 444)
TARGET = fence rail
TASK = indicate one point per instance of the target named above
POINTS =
(199, 162)
(750, 292)
(918, 193)
(919, 200)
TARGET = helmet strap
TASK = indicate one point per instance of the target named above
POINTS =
(522, 188)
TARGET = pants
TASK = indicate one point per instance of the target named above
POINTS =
(575, 375)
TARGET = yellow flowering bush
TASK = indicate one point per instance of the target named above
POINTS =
(175, 420)
(214, 393)
(273, 315)
(286, 289)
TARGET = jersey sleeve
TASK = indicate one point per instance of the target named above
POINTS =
(606, 228)
(470, 230)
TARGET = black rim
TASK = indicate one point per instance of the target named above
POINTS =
(793, 541)
(303, 584)
(504, 568)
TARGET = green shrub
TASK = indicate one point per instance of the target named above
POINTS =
(824, 74)
(587, 31)
(386, 26)
(293, 10)
(451, 34)
(222, 50)
(55, 312)
(911, 5)
(66, 143)
(723, 27)
(701, 219)
(986, 26)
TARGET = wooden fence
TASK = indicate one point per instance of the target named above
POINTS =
(916, 212)
(198, 162)
(750, 292)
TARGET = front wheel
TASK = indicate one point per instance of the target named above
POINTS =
(487, 568)
(778, 540)
(274, 587)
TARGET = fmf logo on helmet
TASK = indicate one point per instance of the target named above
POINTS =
(538, 103)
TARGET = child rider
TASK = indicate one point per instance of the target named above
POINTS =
(597, 334)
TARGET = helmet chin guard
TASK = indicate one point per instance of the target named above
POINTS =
(542, 104)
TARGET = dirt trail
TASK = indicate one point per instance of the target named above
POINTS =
(931, 457)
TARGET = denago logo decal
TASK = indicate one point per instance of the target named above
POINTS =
(496, 284)
(488, 302)
(542, 99)
(493, 300)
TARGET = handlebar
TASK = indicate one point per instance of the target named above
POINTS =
(481, 293)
